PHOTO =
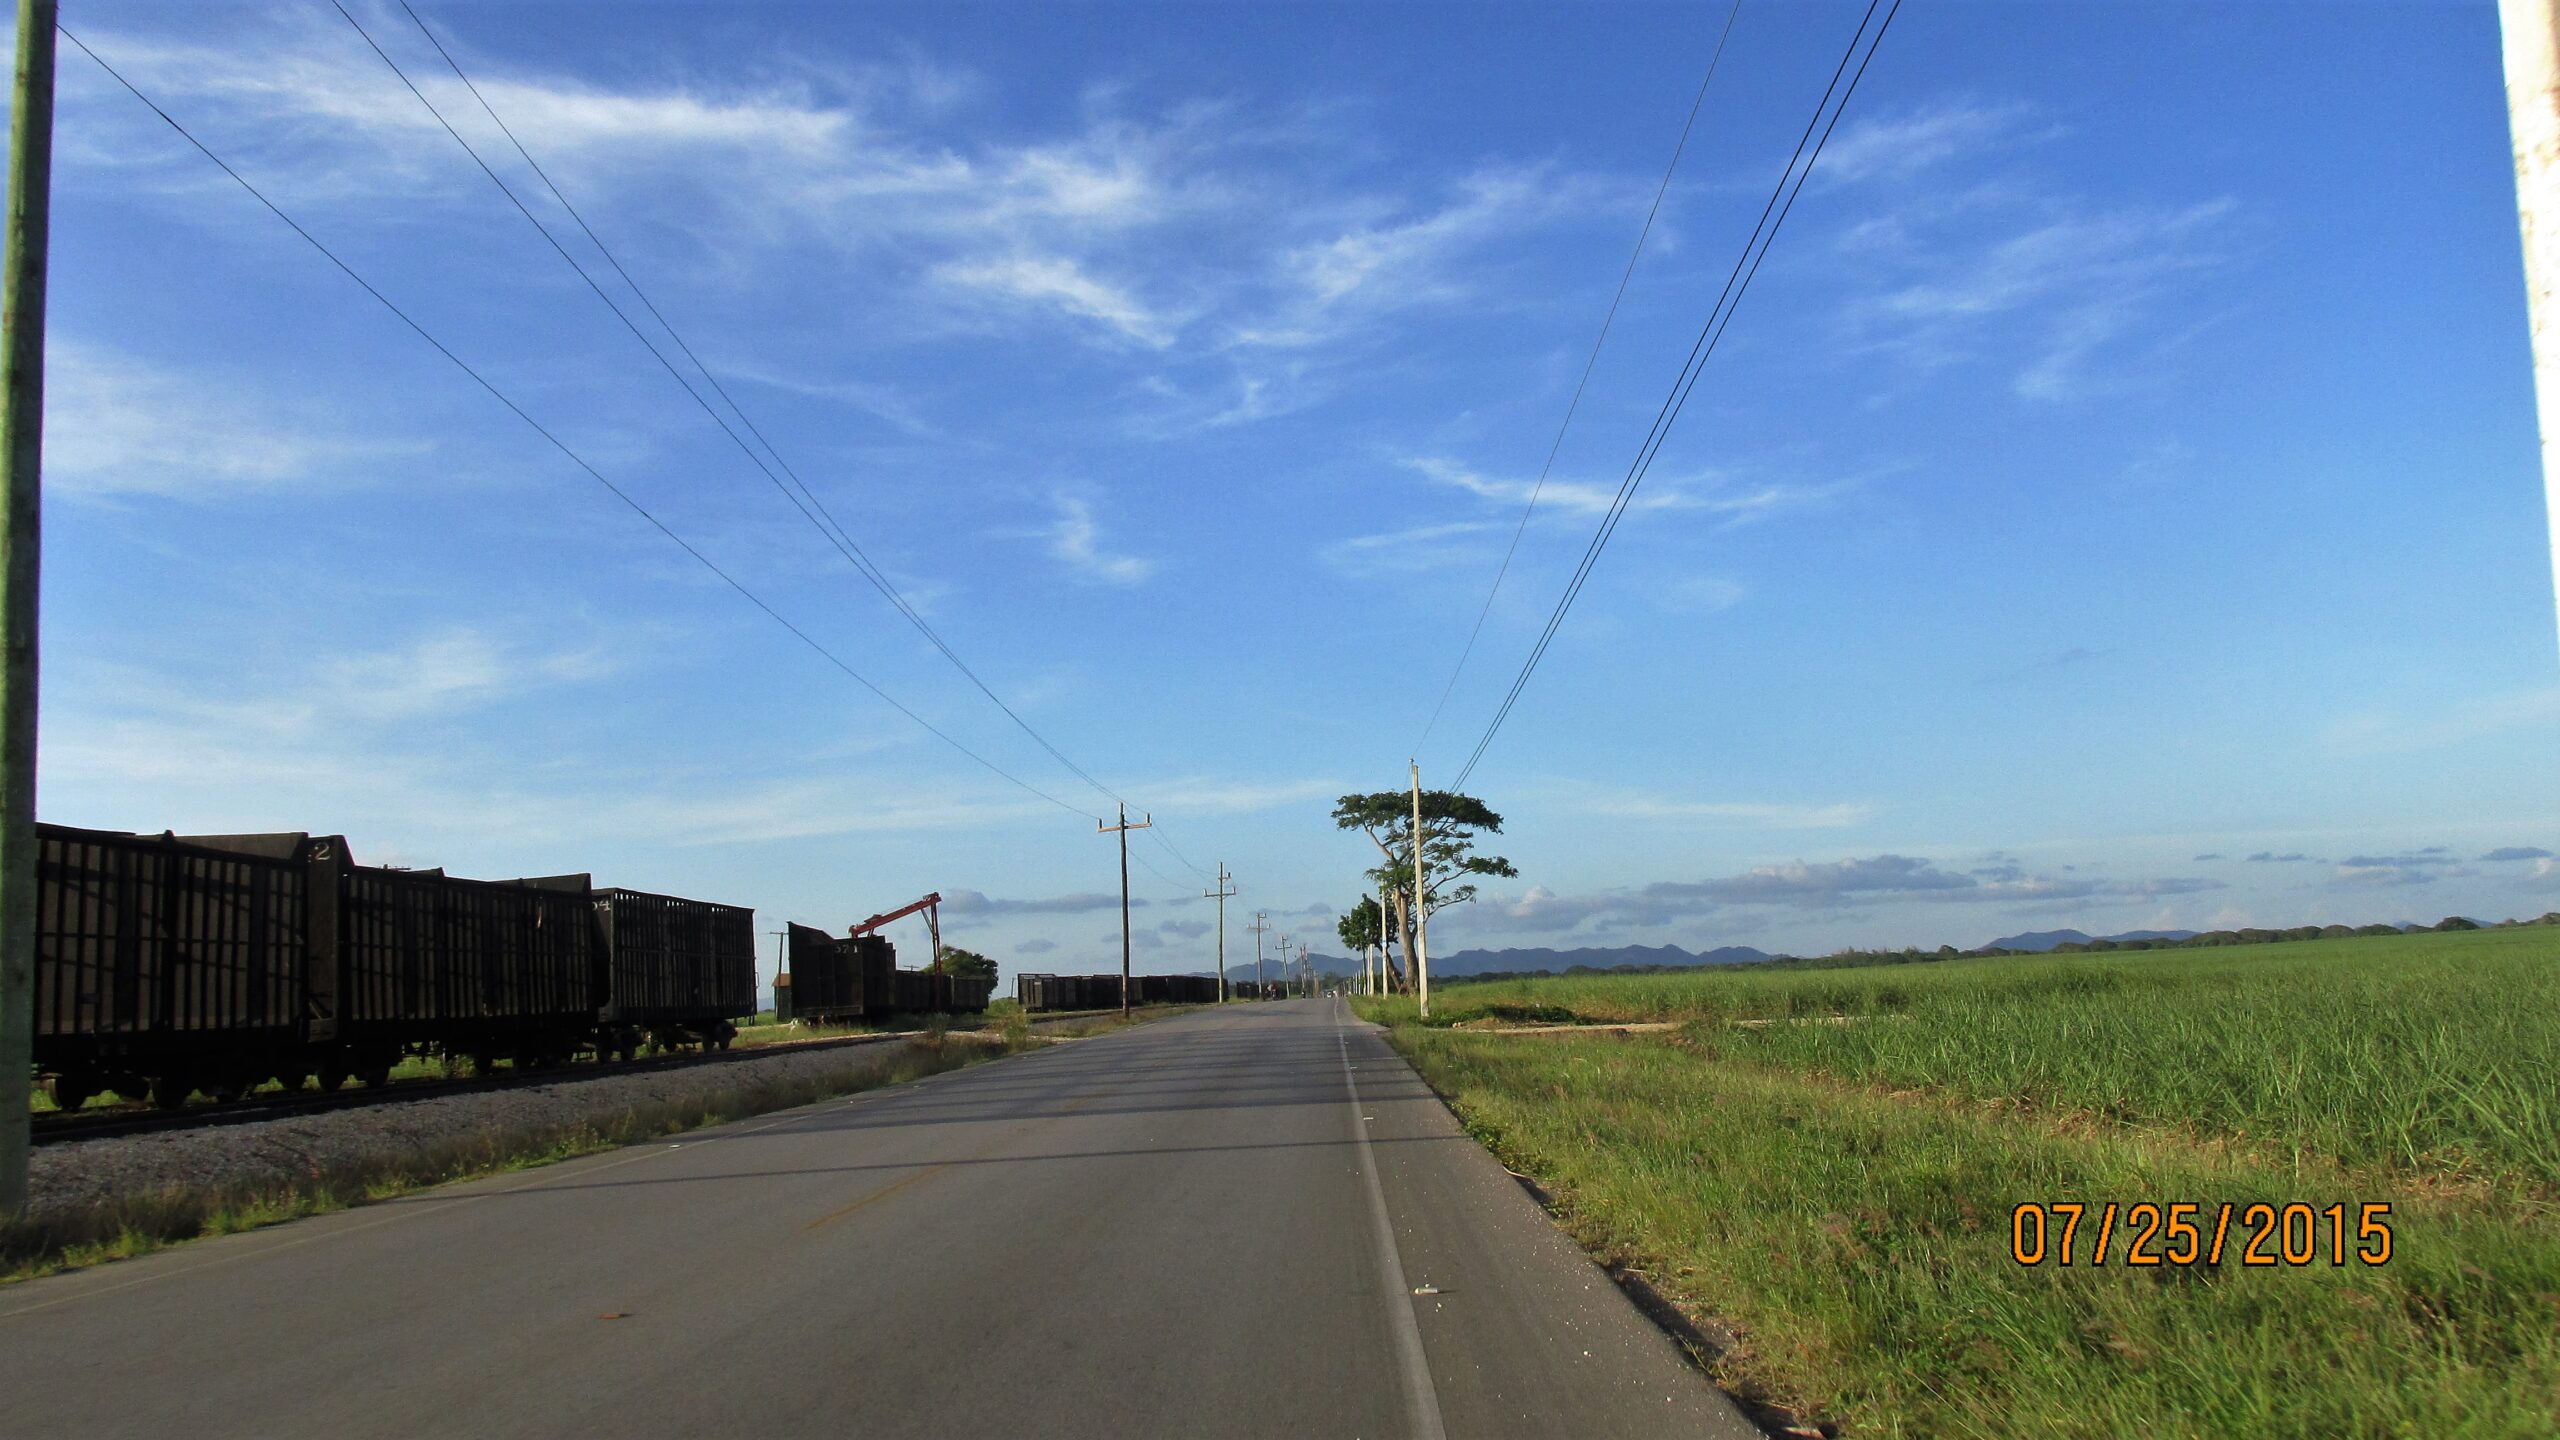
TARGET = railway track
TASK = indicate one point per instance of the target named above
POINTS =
(57, 1128)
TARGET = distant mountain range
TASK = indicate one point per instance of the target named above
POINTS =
(2044, 940)
(1514, 962)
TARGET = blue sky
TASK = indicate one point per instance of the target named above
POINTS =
(2123, 468)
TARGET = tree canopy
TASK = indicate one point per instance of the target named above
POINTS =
(1365, 925)
(1450, 824)
(956, 961)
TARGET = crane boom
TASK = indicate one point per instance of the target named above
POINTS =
(930, 905)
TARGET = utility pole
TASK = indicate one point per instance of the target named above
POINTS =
(1421, 916)
(1122, 830)
(1221, 893)
(22, 440)
(1260, 925)
(2530, 32)
(1285, 976)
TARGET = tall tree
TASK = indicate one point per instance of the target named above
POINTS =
(1450, 824)
(1363, 926)
(956, 961)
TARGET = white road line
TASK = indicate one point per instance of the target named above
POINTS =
(1421, 1397)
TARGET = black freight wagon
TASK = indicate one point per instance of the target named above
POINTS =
(420, 961)
(877, 959)
(970, 993)
(490, 969)
(165, 965)
(826, 976)
(674, 970)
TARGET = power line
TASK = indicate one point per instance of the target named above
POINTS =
(1745, 268)
(1575, 404)
(556, 442)
(806, 501)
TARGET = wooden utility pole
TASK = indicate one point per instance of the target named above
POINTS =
(1285, 943)
(1122, 830)
(1260, 925)
(1220, 893)
(22, 439)
(2530, 31)
(1421, 956)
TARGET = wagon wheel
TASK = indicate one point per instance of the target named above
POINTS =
(170, 1091)
(225, 1088)
(333, 1072)
(375, 1074)
(72, 1091)
(293, 1078)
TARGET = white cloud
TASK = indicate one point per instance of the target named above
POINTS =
(1896, 146)
(120, 426)
(1706, 493)
(1424, 547)
(1698, 594)
(1055, 282)
(1827, 886)
(1076, 540)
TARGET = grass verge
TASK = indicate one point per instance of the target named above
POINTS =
(1853, 1243)
(138, 1224)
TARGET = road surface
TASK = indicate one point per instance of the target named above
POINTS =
(1229, 1223)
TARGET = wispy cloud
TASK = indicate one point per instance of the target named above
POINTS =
(1077, 541)
(2063, 294)
(116, 425)
(1422, 547)
(1897, 145)
(1837, 885)
(1056, 282)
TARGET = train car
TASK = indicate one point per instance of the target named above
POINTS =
(489, 969)
(420, 962)
(970, 993)
(674, 971)
(877, 959)
(163, 966)
(827, 982)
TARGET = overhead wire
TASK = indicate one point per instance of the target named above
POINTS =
(555, 441)
(811, 506)
(1746, 267)
(1574, 405)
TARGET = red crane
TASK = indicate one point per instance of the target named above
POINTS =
(930, 905)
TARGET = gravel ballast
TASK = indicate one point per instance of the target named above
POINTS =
(89, 1178)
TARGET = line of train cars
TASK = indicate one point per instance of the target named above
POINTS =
(833, 978)
(1102, 992)
(170, 965)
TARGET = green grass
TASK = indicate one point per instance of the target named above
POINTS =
(1836, 1195)
(2433, 1053)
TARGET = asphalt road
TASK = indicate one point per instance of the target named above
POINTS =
(1213, 1225)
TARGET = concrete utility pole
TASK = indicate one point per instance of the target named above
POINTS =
(1122, 830)
(1260, 925)
(1284, 959)
(1221, 893)
(22, 440)
(2530, 30)
(1421, 914)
